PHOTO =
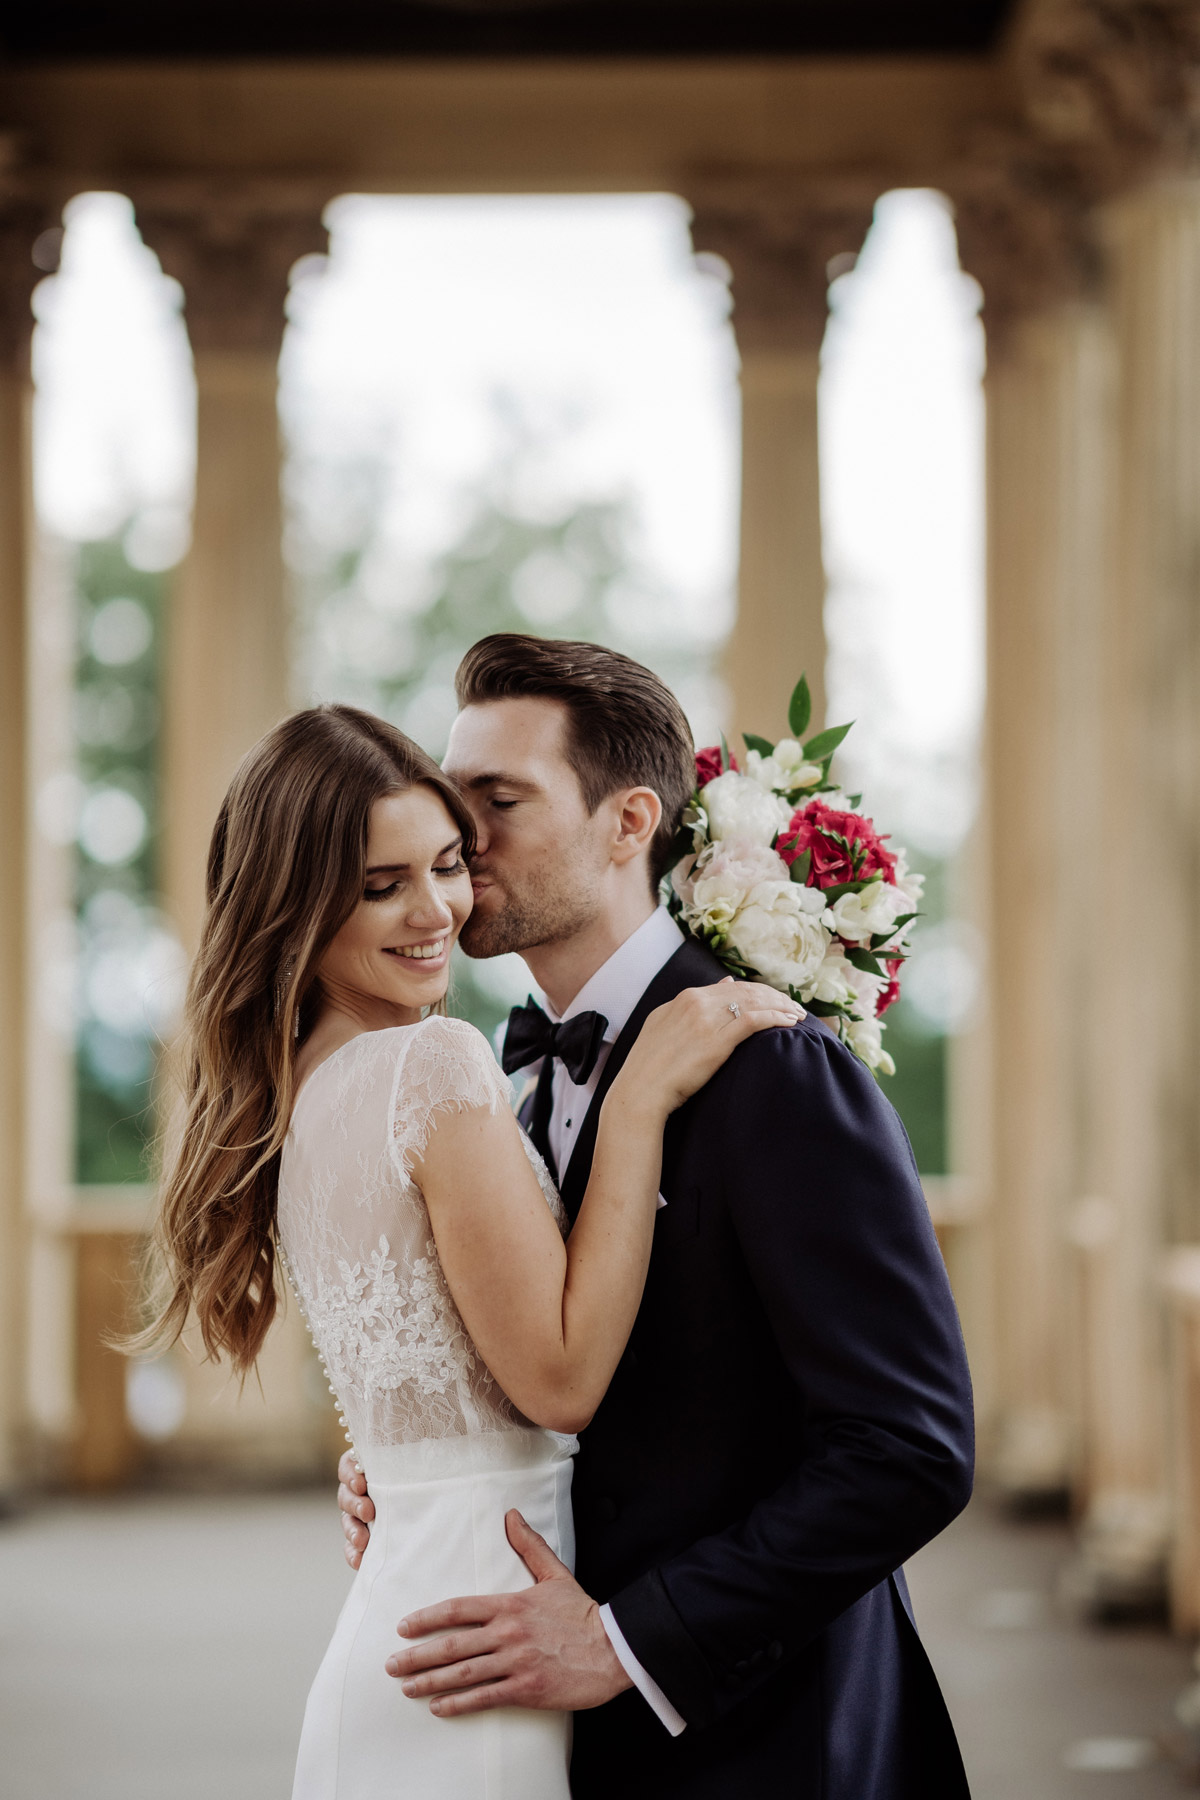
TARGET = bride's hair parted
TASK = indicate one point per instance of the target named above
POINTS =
(286, 868)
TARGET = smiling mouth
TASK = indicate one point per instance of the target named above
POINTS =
(419, 952)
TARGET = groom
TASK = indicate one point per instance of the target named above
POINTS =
(792, 1417)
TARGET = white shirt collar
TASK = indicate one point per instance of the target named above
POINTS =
(619, 984)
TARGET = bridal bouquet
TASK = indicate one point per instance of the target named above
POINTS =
(785, 880)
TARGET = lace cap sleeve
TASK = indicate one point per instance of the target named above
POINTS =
(445, 1065)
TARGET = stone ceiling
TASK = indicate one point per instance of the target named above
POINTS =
(74, 30)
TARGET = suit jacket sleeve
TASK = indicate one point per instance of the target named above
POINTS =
(828, 1209)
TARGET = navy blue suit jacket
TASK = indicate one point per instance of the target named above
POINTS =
(790, 1421)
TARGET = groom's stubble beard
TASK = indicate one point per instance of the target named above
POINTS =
(532, 913)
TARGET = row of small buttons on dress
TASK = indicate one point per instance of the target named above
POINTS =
(283, 1263)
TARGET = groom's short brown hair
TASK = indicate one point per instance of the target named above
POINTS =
(626, 728)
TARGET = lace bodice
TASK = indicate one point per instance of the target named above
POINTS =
(356, 1237)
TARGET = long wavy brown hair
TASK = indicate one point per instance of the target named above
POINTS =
(286, 867)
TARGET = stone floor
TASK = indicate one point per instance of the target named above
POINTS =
(1046, 1708)
(161, 1648)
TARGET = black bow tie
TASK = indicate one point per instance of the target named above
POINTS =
(576, 1042)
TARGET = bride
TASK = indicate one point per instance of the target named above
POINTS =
(338, 1124)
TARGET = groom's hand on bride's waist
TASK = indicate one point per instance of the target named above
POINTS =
(357, 1508)
(544, 1647)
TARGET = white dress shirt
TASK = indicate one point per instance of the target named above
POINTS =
(614, 990)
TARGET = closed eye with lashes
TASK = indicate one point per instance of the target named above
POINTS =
(458, 867)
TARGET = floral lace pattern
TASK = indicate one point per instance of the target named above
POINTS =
(356, 1238)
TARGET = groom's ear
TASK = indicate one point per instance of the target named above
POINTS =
(637, 813)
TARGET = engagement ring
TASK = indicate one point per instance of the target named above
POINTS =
(735, 1009)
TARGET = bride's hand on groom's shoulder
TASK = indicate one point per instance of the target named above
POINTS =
(357, 1508)
(683, 1044)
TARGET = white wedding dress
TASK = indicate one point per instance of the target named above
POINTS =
(445, 1452)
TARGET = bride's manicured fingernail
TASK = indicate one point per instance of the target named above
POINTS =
(409, 1688)
(402, 1628)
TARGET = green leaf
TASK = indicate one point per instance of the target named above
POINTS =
(886, 937)
(724, 752)
(843, 887)
(762, 745)
(681, 846)
(801, 867)
(800, 709)
(826, 1009)
(862, 959)
(855, 801)
(826, 742)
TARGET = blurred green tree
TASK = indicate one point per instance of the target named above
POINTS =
(373, 634)
(381, 637)
(128, 965)
(393, 645)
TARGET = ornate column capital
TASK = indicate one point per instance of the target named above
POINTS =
(1107, 94)
(779, 241)
(1113, 85)
(232, 254)
(1027, 230)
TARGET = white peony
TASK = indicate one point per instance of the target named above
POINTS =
(865, 1037)
(778, 932)
(835, 979)
(908, 882)
(839, 983)
(695, 820)
(788, 753)
(860, 917)
(778, 776)
(681, 877)
(738, 807)
(721, 878)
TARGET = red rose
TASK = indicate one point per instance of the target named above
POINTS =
(891, 992)
(708, 765)
(810, 828)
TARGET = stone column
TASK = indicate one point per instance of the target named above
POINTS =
(779, 247)
(1147, 1096)
(19, 228)
(228, 646)
(1095, 570)
(1049, 491)
(227, 683)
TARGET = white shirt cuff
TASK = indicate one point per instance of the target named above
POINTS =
(645, 1684)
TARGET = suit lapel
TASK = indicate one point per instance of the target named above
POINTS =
(691, 966)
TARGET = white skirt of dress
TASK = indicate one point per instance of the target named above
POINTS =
(437, 1534)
